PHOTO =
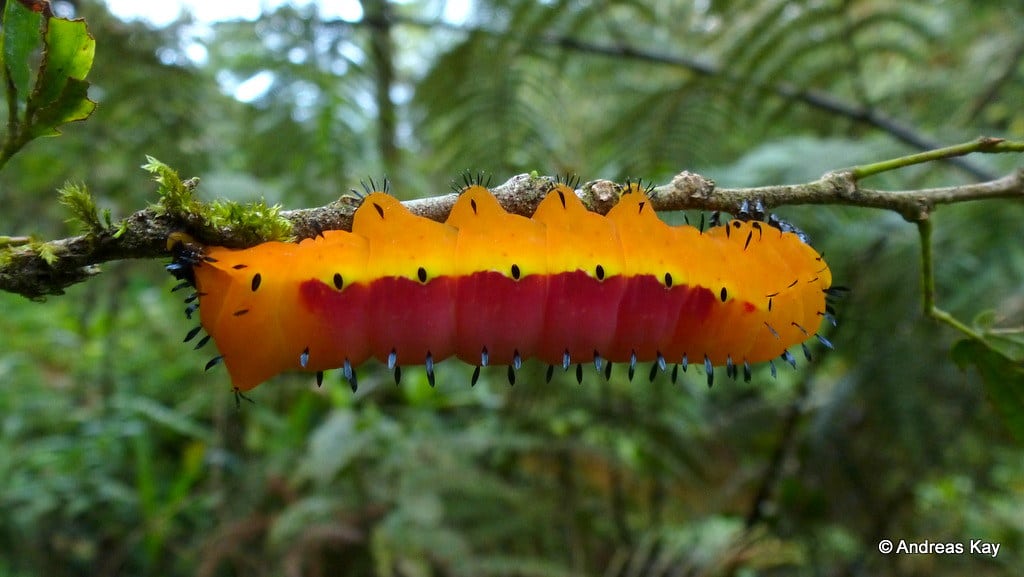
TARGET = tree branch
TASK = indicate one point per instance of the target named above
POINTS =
(818, 99)
(30, 270)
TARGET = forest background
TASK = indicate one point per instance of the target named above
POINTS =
(120, 456)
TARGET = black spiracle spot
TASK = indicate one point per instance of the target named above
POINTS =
(599, 272)
(256, 280)
(339, 282)
(516, 273)
(668, 280)
(421, 274)
(724, 295)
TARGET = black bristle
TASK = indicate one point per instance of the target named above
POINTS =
(319, 379)
(392, 359)
(485, 357)
(788, 357)
(772, 330)
(662, 365)
(632, 365)
(213, 362)
(550, 373)
(429, 366)
(398, 375)
(239, 396)
(807, 351)
(747, 373)
(201, 343)
(685, 363)
(566, 361)
(730, 368)
(675, 373)
(476, 376)
(192, 333)
(511, 375)
(350, 375)
(597, 362)
(579, 373)
(608, 371)
(837, 291)
(304, 357)
(710, 370)
(654, 373)
(190, 310)
(517, 360)
(181, 285)
(827, 343)
(771, 365)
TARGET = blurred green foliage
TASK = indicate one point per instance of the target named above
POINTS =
(120, 456)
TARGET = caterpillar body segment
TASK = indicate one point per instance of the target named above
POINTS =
(566, 286)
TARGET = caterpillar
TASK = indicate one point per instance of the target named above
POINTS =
(567, 286)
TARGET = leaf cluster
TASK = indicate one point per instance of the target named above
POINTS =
(65, 51)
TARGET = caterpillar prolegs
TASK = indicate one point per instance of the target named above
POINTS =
(567, 286)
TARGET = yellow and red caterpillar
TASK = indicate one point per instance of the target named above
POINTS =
(567, 286)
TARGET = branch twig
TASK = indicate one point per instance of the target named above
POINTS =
(924, 228)
(25, 271)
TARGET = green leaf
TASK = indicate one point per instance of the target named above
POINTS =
(68, 55)
(1003, 378)
(1009, 342)
(60, 95)
(73, 104)
(20, 37)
